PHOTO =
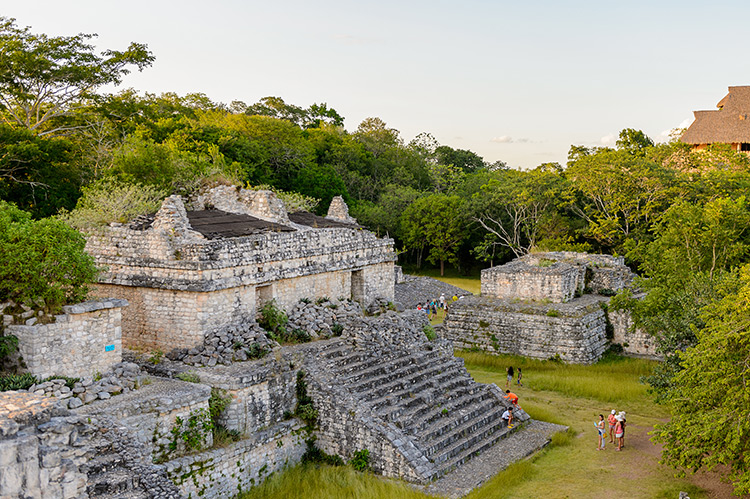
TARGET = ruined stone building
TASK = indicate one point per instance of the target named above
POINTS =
(548, 305)
(729, 124)
(186, 272)
(188, 281)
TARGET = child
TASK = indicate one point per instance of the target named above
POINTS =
(508, 417)
(519, 377)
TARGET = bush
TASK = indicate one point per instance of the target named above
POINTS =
(190, 377)
(41, 261)
(111, 200)
(361, 460)
(256, 351)
(16, 382)
(553, 313)
(273, 319)
(429, 332)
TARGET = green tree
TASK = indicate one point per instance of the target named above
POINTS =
(515, 207)
(634, 142)
(437, 222)
(41, 260)
(43, 78)
(620, 195)
(709, 401)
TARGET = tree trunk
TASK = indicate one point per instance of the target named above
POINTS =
(442, 267)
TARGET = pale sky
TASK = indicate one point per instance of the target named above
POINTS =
(515, 81)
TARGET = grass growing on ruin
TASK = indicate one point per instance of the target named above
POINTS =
(328, 482)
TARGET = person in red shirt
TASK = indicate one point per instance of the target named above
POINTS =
(512, 397)
(612, 422)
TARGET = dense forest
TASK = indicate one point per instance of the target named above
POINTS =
(71, 154)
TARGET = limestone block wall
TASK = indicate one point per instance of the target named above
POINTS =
(85, 339)
(576, 331)
(262, 391)
(37, 453)
(519, 279)
(153, 410)
(344, 429)
(221, 473)
(634, 341)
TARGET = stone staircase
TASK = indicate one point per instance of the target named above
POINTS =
(425, 392)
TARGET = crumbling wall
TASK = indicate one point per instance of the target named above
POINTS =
(85, 339)
(182, 285)
(558, 283)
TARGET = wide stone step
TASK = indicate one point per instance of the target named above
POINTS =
(384, 367)
(417, 394)
(465, 410)
(425, 419)
(387, 369)
(407, 379)
(464, 431)
(358, 361)
(461, 452)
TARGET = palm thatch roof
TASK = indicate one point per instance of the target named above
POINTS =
(729, 124)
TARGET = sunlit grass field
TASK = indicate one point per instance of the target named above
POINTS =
(570, 467)
(469, 283)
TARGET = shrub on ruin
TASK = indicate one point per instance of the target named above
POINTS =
(553, 313)
(17, 382)
(361, 460)
(429, 332)
(42, 262)
(111, 200)
(256, 351)
(337, 329)
(273, 319)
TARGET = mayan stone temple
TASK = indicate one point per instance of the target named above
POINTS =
(175, 329)
(549, 305)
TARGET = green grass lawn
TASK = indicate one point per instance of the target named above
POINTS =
(469, 283)
(571, 467)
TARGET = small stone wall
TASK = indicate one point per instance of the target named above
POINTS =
(152, 411)
(635, 342)
(221, 473)
(524, 280)
(576, 331)
(85, 339)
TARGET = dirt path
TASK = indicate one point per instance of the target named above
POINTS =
(637, 439)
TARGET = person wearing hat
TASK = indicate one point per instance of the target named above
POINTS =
(623, 424)
(619, 432)
(612, 421)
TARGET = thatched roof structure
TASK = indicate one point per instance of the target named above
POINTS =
(729, 124)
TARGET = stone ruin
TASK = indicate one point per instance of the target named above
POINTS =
(186, 272)
(549, 305)
(187, 283)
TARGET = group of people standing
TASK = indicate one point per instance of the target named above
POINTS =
(511, 373)
(617, 423)
(433, 306)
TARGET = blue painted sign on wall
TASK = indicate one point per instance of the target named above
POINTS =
(109, 348)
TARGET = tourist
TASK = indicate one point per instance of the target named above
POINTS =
(612, 422)
(509, 378)
(519, 377)
(619, 432)
(508, 417)
(600, 429)
(512, 397)
(442, 301)
(624, 424)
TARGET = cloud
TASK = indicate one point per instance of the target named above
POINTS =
(348, 39)
(666, 135)
(608, 140)
(507, 139)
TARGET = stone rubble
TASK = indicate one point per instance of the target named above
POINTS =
(318, 317)
(123, 377)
